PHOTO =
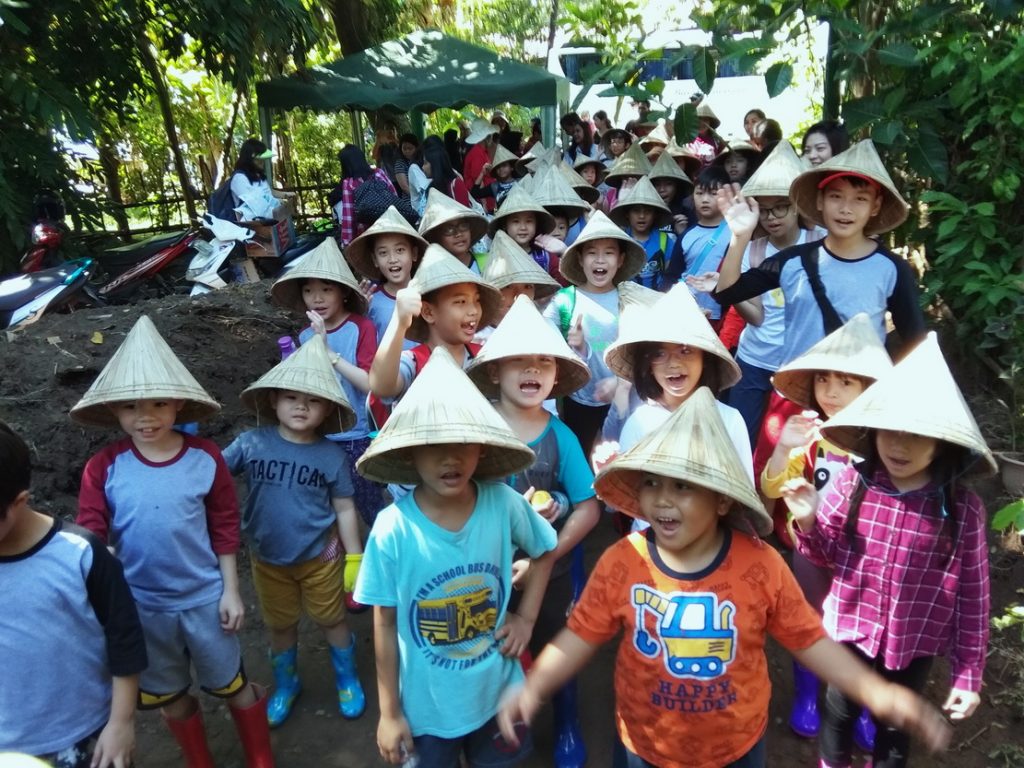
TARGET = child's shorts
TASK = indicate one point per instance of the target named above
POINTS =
(285, 591)
(483, 748)
(78, 755)
(179, 640)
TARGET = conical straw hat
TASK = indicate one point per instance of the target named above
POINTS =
(861, 159)
(666, 167)
(632, 162)
(360, 250)
(642, 193)
(674, 319)
(776, 174)
(518, 200)
(524, 331)
(658, 137)
(917, 395)
(438, 269)
(608, 135)
(442, 407)
(307, 370)
(600, 227)
(502, 155)
(692, 445)
(441, 210)
(143, 368)
(324, 262)
(508, 264)
(687, 161)
(634, 294)
(853, 348)
(705, 111)
(581, 186)
(553, 191)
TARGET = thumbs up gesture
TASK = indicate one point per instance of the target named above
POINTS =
(575, 336)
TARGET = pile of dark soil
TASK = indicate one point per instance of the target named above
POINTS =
(226, 339)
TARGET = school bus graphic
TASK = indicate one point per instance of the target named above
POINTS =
(456, 618)
(691, 644)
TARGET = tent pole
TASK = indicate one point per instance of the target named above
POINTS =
(357, 129)
(267, 135)
(548, 124)
(416, 123)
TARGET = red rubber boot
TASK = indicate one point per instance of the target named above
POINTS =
(254, 731)
(191, 737)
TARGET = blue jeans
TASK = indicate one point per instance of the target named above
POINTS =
(755, 758)
(749, 396)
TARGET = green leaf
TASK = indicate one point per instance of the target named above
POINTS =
(861, 112)
(685, 123)
(887, 131)
(1010, 515)
(927, 154)
(778, 78)
(704, 70)
(902, 55)
(985, 209)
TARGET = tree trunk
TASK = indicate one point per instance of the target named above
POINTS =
(351, 25)
(229, 137)
(152, 66)
(111, 165)
(552, 25)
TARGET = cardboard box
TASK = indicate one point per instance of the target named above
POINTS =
(245, 271)
(272, 239)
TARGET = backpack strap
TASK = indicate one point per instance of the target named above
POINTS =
(829, 317)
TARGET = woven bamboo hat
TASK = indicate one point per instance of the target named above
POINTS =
(360, 250)
(859, 160)
(442, 210)
(776, 174)
(705, 111)
(438, 269)
(508, 264)
(666, 167)
(741, 146)
(324, 262)
(518, 200)
(501, 156)
(442, 406)
(581, 186)
(854, 349)
(674, 319)
(633, 294)
(143, 368)
(556, 195)
(687, 161)
(692, 445)
(917, 395)
(309, 371)
(641, 193)
(524, 331)
(600, 227)
(657, 138)
(621, 133)
(632, 162)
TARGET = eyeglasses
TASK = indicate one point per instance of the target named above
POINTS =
(662, 356)
(780, 211)
(457, 228)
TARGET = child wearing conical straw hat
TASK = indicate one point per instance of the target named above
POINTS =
(166, 502)
(515, 273)
(453, 226)
(323, 287)
(905, 539)
(625, 172)
(675, 189)
(502, 168)
(523, 219)
(524, 363)
(438, 571)
(642, 214)
(823, 381)
(695, 597)
(301, 524)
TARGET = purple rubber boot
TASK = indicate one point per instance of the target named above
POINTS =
(804, 718)
(570, 751)
(864, 731)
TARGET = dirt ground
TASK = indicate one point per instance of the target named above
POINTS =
(227, 339)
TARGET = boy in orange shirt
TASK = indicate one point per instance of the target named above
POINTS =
(695, 599)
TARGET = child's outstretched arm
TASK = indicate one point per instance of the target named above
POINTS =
(788, 459)
(394, 737)
(348, 532)
(559, 662)
(741, 214)
(385, 378)
(116, 741)
(518, 627)
(895, 704)
(359, 378)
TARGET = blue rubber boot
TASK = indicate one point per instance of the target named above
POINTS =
(864, 731)
(804, 718)
(570, 751)
(286, 685)
(351, 699)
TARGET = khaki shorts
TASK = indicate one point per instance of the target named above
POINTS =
(286, 591)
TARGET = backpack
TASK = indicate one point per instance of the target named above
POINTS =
(222, 203)
(379, 411)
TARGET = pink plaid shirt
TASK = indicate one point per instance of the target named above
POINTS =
(902, 595)
(346, 209)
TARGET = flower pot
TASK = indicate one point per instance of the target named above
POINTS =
(1011, 470)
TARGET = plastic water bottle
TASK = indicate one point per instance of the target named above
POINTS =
(287, 346)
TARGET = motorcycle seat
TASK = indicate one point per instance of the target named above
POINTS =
(20, 290)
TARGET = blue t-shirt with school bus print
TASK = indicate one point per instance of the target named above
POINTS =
(450, 590)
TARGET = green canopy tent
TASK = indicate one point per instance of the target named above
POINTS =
(420, 72)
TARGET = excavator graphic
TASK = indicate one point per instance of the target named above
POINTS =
(691, 644)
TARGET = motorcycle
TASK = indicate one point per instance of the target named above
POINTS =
(148, 269)
(25, 298)
(47, 234)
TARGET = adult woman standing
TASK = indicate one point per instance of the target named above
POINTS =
(438, 169)
(408, 153)
(355, 172)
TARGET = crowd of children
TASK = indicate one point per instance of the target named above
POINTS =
(702, 325)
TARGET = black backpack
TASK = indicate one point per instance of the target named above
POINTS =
(221, 203)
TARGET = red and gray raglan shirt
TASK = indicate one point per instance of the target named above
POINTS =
(67, 624)
(168, 522)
